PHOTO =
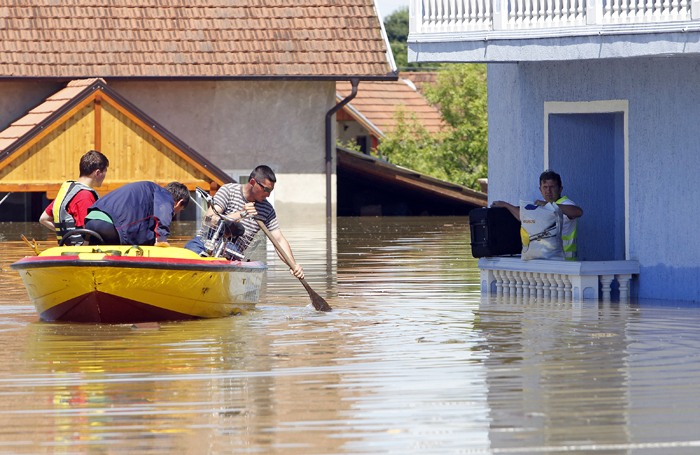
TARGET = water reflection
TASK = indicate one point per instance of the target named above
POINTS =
(412, 360)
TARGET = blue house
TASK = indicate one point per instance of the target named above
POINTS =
(607, 94)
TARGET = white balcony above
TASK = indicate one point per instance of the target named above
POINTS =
(532, 30)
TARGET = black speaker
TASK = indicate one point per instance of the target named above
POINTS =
(495, 232)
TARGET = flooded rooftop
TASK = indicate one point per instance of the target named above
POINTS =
(411, 360)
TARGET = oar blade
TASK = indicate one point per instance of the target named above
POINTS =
(317, 301)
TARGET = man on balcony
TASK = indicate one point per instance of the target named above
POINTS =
(551, 188)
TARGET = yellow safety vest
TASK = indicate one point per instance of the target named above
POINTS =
(63, 220)
(569, 241)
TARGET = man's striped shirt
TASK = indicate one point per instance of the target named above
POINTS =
(230, 197)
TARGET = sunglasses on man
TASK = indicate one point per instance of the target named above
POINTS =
(265, 189)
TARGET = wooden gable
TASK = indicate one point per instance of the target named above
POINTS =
(51, 138)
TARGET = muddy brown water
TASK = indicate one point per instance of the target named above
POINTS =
(411, 360)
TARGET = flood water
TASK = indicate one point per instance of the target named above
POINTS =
(411, 360)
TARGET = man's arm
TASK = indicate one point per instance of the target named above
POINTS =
(571, 211)
(47, 220)
(511, 208)
(298, 271)
(163, 211)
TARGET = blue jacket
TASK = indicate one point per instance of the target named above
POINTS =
(134, 209)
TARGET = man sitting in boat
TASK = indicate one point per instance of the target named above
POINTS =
(248, 200)
(75, 197)
(138, 213)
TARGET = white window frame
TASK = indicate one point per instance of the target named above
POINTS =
(594, 107)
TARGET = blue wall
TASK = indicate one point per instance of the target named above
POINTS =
(664, 154)
(585, 144)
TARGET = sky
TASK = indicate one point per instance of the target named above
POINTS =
(386, 7)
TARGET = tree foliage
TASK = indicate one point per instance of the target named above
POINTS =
(459, 153)
(396, 26)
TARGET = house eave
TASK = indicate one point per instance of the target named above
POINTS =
(572, 43)
(391, 76)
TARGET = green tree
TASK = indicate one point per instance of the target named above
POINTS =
(458, 154)
(396, 26)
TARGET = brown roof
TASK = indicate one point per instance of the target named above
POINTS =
(41, 113)
(393, 176)
(378, 102)
(190, 38)
(420, 78)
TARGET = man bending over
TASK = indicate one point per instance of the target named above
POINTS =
(138, 213)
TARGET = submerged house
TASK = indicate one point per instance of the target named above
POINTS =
(241, 83)
(371, 114)
(42, 149)
(368, 186)
(604, 93)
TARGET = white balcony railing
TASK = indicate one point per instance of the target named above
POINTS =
(454, 16)
(563, 280)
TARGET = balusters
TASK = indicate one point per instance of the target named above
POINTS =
(533, 284)
(557, 13)
(527, 15)
(541, 13)
(540, 285)
(648, 10)
(440, 15)
(605, 281)
(607, 11)
(580, 17)
(675, 10)
(450, 17)
(565, 12)
(567, 287)
(624, 10)
(641, 10)
(462, 20)
(430, 14)
(519, 13)
(507, 281)
(486, 12)
(518, 283)
(554, 287)
(559, 288)
(624, 282)
(666, 9)
(616, 11)
(472, 15)
(657, 10)
(499, 281)
(547, 5)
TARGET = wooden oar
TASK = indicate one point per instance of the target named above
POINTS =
(32, 245)
(318, 302)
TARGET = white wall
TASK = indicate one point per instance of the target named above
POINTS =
(18, 97)
(241, 124)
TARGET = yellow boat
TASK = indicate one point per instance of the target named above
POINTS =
(129, 284)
